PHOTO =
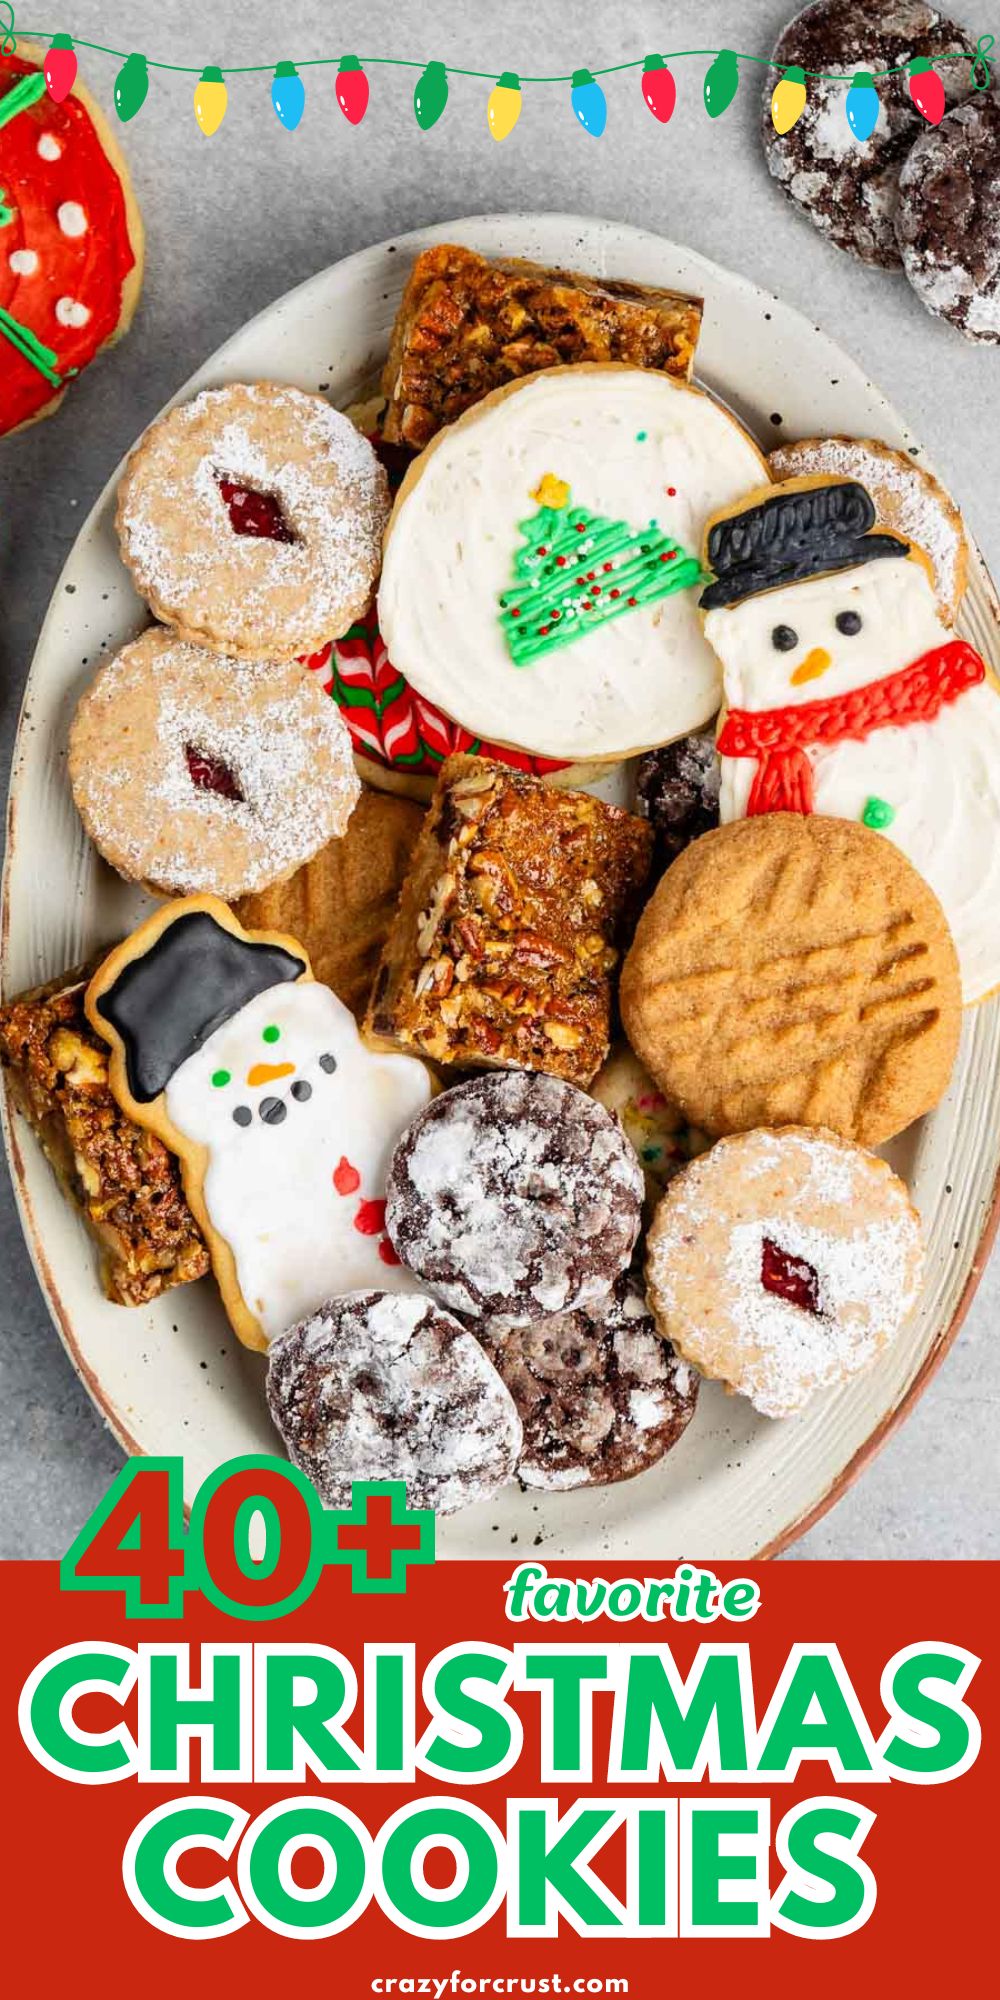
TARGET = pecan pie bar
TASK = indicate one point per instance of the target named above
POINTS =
(122, 1178)
(509, 925)
(466, 324)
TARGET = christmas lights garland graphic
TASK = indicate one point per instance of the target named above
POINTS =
(588, 102)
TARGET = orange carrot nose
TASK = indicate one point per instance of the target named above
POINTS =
(268, 1073)
(814, 664)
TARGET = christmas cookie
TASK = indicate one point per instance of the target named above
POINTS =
(251, 520)
(784, 1262)
(847, 694)
(794, 970)
(663, 1140)
(196, 773)
(225, 1046)
(677, 787)
(600, 1395)
(385, 1385)
(514, 1196)
(341, 904)
(540, 571)
(850, 191)
(907, 499)
(71, 239)
(948, 218)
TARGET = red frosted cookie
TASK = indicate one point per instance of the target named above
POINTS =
(71, 240)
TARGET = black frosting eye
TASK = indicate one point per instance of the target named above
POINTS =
(329, 1063)
(243, 1115)
(848, 622)
(783, 638)
(301, 1090)
(273, 1110)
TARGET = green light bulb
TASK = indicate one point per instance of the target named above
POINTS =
(721, 83)
(131, 85)
(430, 96)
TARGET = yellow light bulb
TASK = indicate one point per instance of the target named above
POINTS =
(504, 107)
(789, 100)
(210, 100)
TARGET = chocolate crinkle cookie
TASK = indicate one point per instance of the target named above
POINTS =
(847, 190)
(514, 1196)
(948, 219)
(384, 1385)
(677, 788)
(600, 1394)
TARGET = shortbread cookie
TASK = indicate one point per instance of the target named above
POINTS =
(251, 520)
(193, 773)
(540, 572)
(664, 1142)
(845, 693)
(71, 239)
(341, 904)
(948, 218)
(794, 970)
(906, 497)
(514, 1196)
(600, 1395)
(784, 1262)
(381, 1385)
(224, 1045)
(850, 191)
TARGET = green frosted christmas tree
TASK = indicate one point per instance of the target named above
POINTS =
(575, 570)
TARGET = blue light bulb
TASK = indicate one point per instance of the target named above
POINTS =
(288, 95)
(589, 103)
(862, 106)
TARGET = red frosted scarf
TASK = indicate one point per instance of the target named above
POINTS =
(780, 738)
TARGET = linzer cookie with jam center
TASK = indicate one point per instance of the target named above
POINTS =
(193, 773)
(783, 1262)
(251, 520)
(509, 925)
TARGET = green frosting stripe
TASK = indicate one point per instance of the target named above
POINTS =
(577, 570)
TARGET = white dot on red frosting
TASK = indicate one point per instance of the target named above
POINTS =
(72, 219)
(70, 312)
(49, 147)
(23, 263)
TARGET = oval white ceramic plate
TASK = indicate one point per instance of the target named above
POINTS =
(171, 1378)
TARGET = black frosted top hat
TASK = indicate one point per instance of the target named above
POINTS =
(793, 534)
(196, 975)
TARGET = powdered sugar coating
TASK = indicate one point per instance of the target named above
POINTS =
(821, 1200)
(379, 1385)
(514, 1196)
(237, 593)
(270, 724)
(907, 499)
(948, 219)
(850, 191)
(600, 1394)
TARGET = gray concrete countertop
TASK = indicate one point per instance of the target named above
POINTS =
(233, 223)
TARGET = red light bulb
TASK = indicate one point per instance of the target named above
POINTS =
(352, 89)
(60, 68)
(927, 90)
(658, 88)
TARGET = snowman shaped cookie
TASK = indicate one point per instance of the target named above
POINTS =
(255, 1074)
(846, 694)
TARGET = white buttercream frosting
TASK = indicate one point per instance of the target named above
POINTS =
(940, 778)
(632, 446)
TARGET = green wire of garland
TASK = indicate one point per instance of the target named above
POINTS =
(979, 62)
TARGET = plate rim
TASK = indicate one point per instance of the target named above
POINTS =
(58, 1313)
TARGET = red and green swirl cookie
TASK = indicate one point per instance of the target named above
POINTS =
(71, 244)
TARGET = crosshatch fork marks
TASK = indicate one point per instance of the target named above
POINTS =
(790, 970)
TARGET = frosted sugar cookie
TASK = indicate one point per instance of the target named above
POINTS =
(783, 1262)
(541, 566)
(251, 520)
